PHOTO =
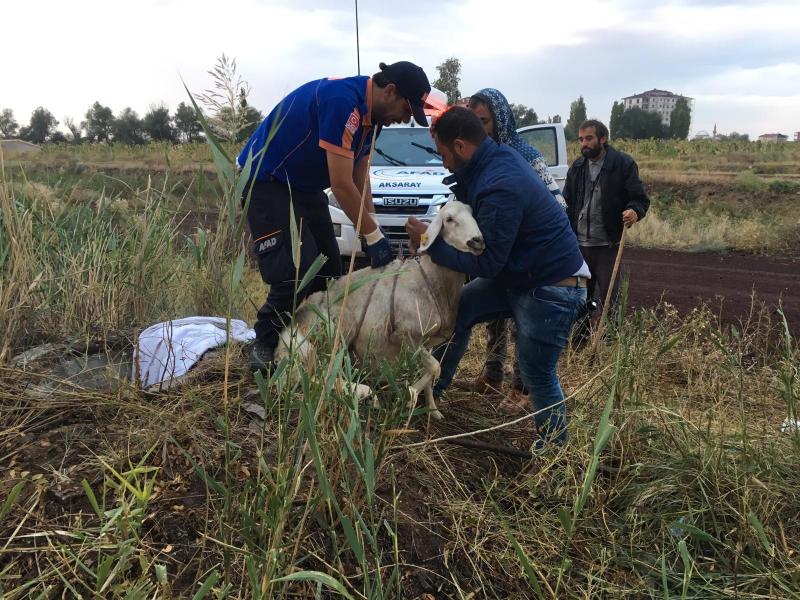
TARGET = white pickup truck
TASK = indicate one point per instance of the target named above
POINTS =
(406, 175)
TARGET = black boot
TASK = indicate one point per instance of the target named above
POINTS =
(262, 357)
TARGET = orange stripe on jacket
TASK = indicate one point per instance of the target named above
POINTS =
(347, 139)
(335, 149)
(367, 120)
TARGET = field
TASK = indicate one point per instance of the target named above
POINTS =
(677, 482)
(707, 196)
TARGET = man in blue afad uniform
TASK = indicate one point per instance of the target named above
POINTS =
(319, 136)
(531, 269)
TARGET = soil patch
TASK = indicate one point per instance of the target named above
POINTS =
(728, 283)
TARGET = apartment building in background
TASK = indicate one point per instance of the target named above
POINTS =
(773, 137)
(657, 101)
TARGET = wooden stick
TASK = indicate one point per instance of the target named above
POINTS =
(601, 325)
(478, 445)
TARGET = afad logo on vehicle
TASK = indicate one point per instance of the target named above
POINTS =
(395, 173)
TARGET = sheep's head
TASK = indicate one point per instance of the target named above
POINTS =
(458, 228)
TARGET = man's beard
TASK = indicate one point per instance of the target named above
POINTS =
(458, 162)
(592, 152)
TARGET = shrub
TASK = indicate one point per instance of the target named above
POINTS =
(784, 186)
(750, 182)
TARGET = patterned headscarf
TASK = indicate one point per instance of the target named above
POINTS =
(505, 127)
(505, 132)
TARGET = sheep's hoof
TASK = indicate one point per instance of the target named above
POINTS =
(436, 415)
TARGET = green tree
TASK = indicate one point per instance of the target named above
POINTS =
(524, 116)
(99, 123)
(74, 130)
(42, 126)
(554, 119)
(186, 123)
(617, 110)
(128, 128)
(640, 124)
(8, 124)
(252, 119)
(248, 119)
(577, 115)
(157, 124)
(734, 136)
(449, 79)
(679, 120)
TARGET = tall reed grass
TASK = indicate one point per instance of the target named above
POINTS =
(677, 481)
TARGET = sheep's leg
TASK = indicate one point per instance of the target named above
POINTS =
(432, 369)
(435, 369)
(307, 354)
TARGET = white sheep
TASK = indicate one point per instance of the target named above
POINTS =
(411, 302)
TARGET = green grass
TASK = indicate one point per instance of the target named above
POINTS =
(677, 481)
(705, 155)
(689, 489)
(706, 196)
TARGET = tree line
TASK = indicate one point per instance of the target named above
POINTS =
(101, 125)
(633, 123)
(234, 120)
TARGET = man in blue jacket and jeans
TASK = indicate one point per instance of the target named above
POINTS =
(531, 270)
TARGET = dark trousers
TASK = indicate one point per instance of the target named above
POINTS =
(268, 217)
(600, 260)
(496, 351)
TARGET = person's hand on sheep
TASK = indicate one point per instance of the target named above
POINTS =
(415, 230)
(378, 249)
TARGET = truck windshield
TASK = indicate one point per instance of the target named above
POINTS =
(405, 145)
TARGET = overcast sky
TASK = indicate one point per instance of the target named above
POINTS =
(739, 60)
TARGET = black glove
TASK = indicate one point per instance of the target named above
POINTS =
(380, 253)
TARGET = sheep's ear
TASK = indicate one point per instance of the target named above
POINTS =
(431, 233)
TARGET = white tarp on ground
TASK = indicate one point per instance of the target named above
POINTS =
(790, 425)
(168, 350)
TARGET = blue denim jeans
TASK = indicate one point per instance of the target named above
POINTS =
(544, 318)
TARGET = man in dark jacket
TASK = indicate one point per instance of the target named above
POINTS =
(531, 269)
(603, 193)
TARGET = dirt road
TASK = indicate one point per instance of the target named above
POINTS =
(725, 281)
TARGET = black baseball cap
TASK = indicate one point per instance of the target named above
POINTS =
(411, 83)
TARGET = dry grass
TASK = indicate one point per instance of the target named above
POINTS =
(696, 492)
(701, 213)
(712, 234)
(677, 481)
